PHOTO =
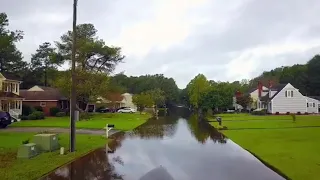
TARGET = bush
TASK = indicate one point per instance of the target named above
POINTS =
(38, 108)
(26, 141)
(24, 117)
(306, 113)
(259, 113)
(26, 110)
(54, 111)
(298, 113)
(277, 113)
(36, 115)
(85, 116)
(288, 113)
(61, 114)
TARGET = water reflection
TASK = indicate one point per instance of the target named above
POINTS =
(172, 148)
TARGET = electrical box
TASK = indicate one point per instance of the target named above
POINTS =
(27, 150)
(47, 142)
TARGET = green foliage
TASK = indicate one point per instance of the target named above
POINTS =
(26, 110)
(61, 114)
(36, 115)
(261, 112)
(157, 96)
(54, 111)
(142, 100)
(24, 117)
(293, 117)
(26, 141)
(244, 100)
(197, 88)
(38, 108)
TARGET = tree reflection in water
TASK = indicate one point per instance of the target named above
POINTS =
(202, 131)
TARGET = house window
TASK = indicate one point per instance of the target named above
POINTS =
(43, 104)
(289, 93)
(307, 104)
(314, 104)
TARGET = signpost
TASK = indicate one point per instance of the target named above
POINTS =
(108, 128)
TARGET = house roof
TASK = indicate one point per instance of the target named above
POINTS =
(11, 76)
(48, 94)
(9, 95)
(276, 88)
(314, 97)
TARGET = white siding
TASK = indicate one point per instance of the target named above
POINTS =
(271, 93)
(311, 108)
(283, 104)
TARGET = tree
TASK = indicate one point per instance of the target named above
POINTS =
(197, 88)
(10, 56)
(92, 54)
(244, 100)
(314, 76)
(44, 60)
(142, 101)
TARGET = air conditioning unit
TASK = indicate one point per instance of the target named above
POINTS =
(27, 150)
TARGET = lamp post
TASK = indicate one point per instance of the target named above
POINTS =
(73, 83)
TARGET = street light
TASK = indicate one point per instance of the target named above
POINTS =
(73, 83)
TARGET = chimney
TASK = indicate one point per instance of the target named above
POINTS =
(259, 89)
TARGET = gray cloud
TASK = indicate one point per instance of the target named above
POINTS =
(226, 39)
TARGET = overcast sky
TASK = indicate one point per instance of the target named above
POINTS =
(226, 40)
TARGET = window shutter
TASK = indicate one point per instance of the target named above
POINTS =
(286, 93)
(307, 104)
(291, 93)
(314, 104)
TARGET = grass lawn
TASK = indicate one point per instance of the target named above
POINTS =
(13, 168)
(122, 122)
(294, 151)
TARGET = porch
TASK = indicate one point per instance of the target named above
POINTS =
(13, 106)
(265, 105)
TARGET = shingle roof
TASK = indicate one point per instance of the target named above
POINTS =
(9, 95)
(277, 88)
(314, 97)
(11, 76)
(48, 94)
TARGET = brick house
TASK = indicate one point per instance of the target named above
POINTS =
(46, 97)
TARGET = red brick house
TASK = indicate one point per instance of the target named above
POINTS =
(46, 97)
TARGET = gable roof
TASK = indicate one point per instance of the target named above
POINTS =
(48, 93)
(10, 76)
(276, 88)
(314, 97)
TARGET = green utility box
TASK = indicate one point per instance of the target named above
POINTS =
(47, 142)
(27, 151)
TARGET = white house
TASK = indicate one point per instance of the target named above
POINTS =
(284, 98)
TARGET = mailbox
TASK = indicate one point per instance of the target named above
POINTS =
(110, 125)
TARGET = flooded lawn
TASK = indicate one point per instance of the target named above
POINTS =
(168, 149)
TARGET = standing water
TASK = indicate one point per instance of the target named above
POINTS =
(168, 149)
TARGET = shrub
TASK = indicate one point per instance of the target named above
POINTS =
(299, 113)
(24, 117)
(36, 115)
(26, 141)
(85, 116)
(54, 111)
(293, 117)
(306, 113)
(288, 113)
(26, 110)
(277, 113)
(259, 113)
(61, 114)
(38, 108)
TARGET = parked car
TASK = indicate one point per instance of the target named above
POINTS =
(126, 110)
(105, 110)
(5, 119)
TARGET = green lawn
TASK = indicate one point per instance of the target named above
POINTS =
(13, 168)
(294, 151)
(121, 121)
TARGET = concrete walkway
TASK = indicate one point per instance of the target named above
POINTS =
(57, 130)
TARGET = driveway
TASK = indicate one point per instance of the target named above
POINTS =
(56, 130)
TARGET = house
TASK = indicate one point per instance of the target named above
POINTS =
(10, 99)
(283, 98)
(125, 100)
(46, 97)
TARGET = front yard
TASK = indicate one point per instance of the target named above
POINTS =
(122, 122)
(291, 147)
(13, 168)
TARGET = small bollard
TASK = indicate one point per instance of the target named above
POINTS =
(62, 150)
(219, 120)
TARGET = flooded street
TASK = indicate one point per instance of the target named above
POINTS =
(171, 148)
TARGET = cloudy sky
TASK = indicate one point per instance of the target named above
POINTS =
(226, 40)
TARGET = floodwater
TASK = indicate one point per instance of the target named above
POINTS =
(171, 148)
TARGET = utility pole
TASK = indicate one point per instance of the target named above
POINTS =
(73, 79)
